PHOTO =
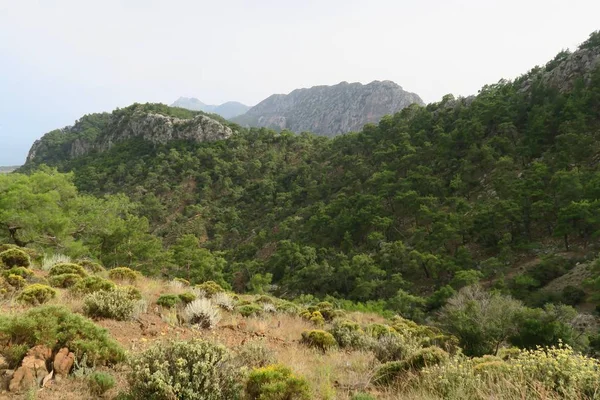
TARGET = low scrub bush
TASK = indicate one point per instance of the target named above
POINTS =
(91, 284)
(64, 280)
(91, 266)
(193, 370)
(395, 347)
(123, 274)
(168, 300)
(132, 292)
(201, 313)
(249, 310)
(20, 271)
(187, 297)
(14, 258)
(16, 281)
(210, 288)
(57, 327)
(50, 261)
(313, 316)
(319, 339)
(36, 294)
(421, 359)
(114, 304)
(349, 335)
(100, 383)
(276, 382)
(378, 330)
(67, 268)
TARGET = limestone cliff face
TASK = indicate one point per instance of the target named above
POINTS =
(329, 110)
(99, 132)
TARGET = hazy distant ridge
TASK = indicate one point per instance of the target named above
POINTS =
(229, 109)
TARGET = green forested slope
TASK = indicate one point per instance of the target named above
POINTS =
(427, 201)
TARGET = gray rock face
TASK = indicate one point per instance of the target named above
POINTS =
(564, 72)
(329, 110)
(155, 128)
(229, 109)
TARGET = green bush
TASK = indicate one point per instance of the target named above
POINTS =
(91, 266)
(36, 294)
(91, 284)
(16, 281)
(390, 372)
(114, 304)
(123, 274)
(100, 383)
(184, 282)
(132, 292)
(319, 339)
(193, 370)
(378, 330)
(427, 357)
(348, 334)
(64, 280)
(168, 300)
(210, 288)
(276, 382)
(249, 310)
(67, 268)
(313, 316)
(57, 327)
(14, 354)
(187, 297)
(15, 258)
(20, 271)
(395, 347)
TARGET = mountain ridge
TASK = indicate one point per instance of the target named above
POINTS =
(329, 110)
(229, 109)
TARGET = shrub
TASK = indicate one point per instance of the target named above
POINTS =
(14, 354)
(254, 355)
(168, 300)
(249, 310)
(269, 308)
(276, 382)
(193, 370)
(184, 282)
(287, 307)
(426, 357)
(114, 304)
(395, 347)
(64, 280)
(16, 281)
(313, 316)
(210, 288)
(201, 313)
(20, 271)
(91, 266)
(187, 297)
(132, 292)
(123, 274)
(91, 284)
(57, 327)
(100, 382)
(390, 372)
(223, 300)
(14, 258)
(67, 268)
(36, 294)
(348, 334)
(319, 339)
(378, 330)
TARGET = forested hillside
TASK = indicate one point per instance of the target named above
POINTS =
(501, 188)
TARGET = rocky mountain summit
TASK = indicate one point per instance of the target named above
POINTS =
(229, 109)
(329, 110)
(155, 123)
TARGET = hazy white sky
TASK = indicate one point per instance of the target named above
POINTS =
(60, 59)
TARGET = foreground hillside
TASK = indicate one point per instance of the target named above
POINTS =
(501, 188)
(73, 330)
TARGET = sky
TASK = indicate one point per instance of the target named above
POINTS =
(61, 59)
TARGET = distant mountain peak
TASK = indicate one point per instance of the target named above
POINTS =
(330, 110)
(228, 109)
